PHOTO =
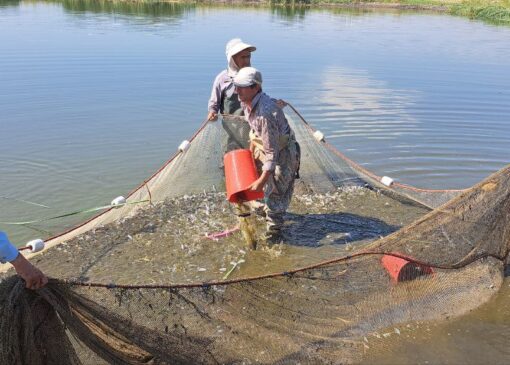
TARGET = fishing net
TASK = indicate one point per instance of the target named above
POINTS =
(361, 261)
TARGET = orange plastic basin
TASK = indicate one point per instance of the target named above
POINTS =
(240, 173)
(400, 269)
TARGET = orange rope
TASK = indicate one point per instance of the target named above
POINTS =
(280, 274)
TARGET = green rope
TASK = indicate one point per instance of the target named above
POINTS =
(91, 210)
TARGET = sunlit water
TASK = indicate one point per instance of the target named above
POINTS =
(94, 97)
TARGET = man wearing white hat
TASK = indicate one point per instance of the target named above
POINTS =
(273, 146)
(34, 278)
(223, 96)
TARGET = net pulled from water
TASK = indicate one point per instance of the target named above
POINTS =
(143, 284)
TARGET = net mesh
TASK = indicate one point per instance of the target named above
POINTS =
(141, 284)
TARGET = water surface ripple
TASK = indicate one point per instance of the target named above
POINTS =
(94, 96)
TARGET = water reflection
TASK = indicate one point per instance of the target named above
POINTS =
(9, 3)
(285, 10)
(159, 9)
(289, 13)
(358, 105)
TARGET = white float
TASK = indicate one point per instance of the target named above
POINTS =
(118, 201)
(386, 180)
(36, 245)
(183, 147)
(319, 136)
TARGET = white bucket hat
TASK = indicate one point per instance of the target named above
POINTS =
(236, 45)
(248, 76)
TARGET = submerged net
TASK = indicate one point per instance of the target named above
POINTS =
(142, 284)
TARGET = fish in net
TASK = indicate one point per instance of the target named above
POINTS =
(141, 284)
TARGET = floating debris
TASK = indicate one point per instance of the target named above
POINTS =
(234, 266)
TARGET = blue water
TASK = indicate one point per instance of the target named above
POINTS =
(95, 97)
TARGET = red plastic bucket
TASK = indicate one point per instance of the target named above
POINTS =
(240, 173)
(403, 270)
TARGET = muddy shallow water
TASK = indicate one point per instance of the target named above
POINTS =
(167, 243)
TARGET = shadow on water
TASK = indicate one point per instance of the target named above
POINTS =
(315, 230)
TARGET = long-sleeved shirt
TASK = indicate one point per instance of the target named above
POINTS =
(223, 86)
(8, 252)
(268, 122)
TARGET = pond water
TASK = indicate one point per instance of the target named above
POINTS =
(94, 97)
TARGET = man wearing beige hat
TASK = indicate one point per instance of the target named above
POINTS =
(223, 95)
(274, 149)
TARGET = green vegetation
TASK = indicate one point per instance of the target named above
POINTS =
(495, 11)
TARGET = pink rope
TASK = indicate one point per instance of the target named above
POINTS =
(225, 233)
